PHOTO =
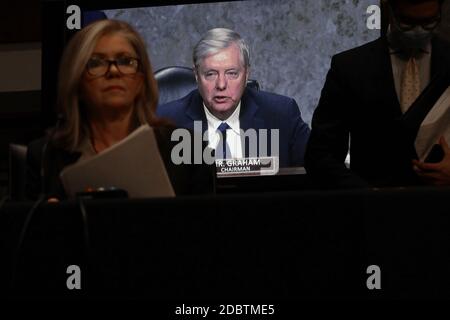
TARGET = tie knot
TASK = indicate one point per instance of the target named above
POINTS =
(223, 127)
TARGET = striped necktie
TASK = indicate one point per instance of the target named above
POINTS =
(410, 88)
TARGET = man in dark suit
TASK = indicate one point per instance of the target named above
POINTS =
(226, 109)
(367, 90)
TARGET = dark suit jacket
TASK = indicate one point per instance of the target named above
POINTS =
(359, 100)
(259, 110)
(185, 178)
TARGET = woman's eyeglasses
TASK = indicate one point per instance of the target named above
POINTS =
(99, 66)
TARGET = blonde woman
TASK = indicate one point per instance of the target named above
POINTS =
(106, 89)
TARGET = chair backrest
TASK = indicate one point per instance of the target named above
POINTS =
(176, 82)
(17, 171)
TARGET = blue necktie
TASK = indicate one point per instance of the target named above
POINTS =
(223, 149)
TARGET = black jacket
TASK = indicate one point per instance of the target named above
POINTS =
(186, 179)
(359, 103)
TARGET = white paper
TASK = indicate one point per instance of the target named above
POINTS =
(435, 125)
(133, 164)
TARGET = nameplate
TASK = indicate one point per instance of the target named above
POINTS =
(247, 166)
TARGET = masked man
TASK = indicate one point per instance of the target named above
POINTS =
(367, 90)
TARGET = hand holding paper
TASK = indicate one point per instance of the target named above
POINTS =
(435, 173)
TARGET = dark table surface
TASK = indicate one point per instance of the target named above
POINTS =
(265, 245)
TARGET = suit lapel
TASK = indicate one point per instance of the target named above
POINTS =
(440, 57)
(386, 84)
(249, 119)
(195, 112)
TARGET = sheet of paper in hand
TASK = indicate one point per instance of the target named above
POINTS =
(435, 125)
(133, 164)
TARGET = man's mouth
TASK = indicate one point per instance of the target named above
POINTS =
(220, 99)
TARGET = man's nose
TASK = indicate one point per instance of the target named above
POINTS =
(221, 82)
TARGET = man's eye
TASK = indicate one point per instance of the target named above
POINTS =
(232, 74)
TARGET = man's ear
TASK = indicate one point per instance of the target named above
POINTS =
(247, 74)
(194, 69)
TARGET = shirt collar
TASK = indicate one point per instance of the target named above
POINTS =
(232, 121)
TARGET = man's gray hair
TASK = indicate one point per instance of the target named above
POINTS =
(218, 39)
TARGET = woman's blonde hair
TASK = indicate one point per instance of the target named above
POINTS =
(73, 64)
